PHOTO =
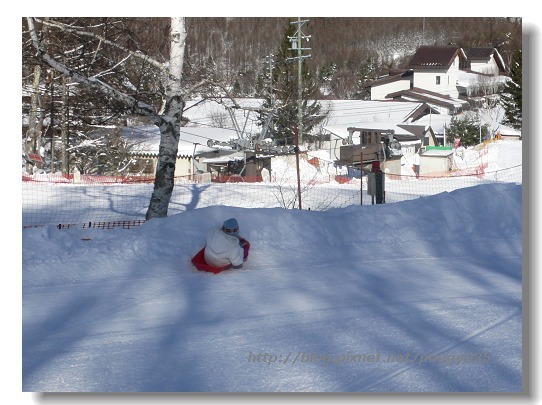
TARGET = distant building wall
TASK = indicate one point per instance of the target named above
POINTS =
(489, 67)
(434, 165)
(183, 167)
(380, 92)
(439, 80)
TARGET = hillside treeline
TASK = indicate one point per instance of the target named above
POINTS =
(345, 51)
(342, 48)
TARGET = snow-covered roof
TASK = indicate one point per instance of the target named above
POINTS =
(223, 159)
(431, 57)
(492, 118)
(430, 97)
(468, 78)
(359, 113)
(390, 78)
(342, 112)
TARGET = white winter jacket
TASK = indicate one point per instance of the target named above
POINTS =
(222, 249)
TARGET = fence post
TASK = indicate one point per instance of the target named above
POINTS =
(361, 175)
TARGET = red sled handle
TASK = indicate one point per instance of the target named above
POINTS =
(245, 244)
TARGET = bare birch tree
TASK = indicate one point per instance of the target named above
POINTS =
(167, 117)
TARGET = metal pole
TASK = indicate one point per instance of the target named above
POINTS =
(361, 175)
(480, 128)
(193, 177)
(297, 167)
(444, 142)
(299, 84)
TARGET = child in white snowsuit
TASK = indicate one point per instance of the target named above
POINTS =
(224, 246)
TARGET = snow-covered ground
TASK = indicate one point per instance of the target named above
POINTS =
(68, 203)
(422, 295)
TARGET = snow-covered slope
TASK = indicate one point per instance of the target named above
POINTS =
(422, 295)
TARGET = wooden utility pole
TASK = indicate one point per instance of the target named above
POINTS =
(297, 167)
(297, 46)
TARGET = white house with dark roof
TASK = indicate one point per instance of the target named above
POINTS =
(447, 78)
(431, 77)
(485, 60)
(436, 68)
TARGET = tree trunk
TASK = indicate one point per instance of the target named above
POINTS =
(167, 158)
(168, 120)
(64, 128)
(32, 133)
(170, 124)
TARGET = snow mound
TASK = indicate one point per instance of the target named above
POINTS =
(440, 276)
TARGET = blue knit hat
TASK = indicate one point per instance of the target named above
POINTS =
(231, 227)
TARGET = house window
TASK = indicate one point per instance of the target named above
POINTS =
(438, 80)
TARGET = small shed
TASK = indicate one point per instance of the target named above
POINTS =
(195, 144)
(436, 161)
(503, 132)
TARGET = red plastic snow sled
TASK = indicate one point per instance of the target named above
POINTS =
(199, 260)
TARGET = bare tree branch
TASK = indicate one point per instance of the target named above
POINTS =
(69, 28)
(138, 107)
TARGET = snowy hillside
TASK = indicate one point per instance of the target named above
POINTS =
(422, 296)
